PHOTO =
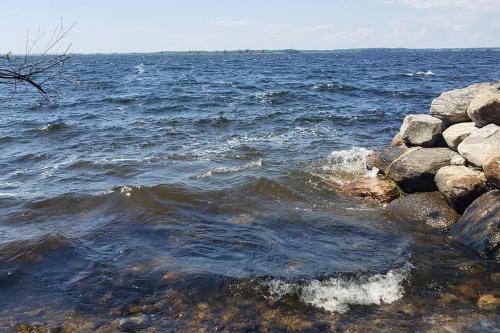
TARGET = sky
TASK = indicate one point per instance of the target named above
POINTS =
(154, 25)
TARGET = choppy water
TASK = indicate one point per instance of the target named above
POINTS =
(189, 190)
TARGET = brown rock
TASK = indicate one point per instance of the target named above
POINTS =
(460, 185)
(397, 141)
(491, 167)
(489, 302)
(376, 188)
(429, 207)
(485, 109)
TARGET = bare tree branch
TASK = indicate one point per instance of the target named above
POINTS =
(38, 66)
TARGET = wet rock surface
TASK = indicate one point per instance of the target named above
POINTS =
(430, 208)
(380, 189)
(479, 227)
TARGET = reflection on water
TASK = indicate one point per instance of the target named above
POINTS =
(194, 194)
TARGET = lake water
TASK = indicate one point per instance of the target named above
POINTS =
(189, 192)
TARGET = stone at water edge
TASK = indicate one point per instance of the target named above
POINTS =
(460, 185)
(485, 109)
(491, 167)
(480, 144)
(415, 169)
(376, 188)
(427, 207)
(421, 129)
(489, 302)
(397, 141)
(479, 227)
(381, 159)
(455, 134)
(451, 106)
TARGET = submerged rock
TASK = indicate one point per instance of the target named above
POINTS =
(379, 189)
(414, 170)
(429, 207)
(491, 167)
(485, 109)
(455, 134)
(489, 302)
(421, 129)
(460, 185)
(451, 106)
(480, 144)
(479, 227)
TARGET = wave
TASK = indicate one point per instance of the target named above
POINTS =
(337, 294)
(59, 125)
(333, 87)
(419, 73)
(140, 68)
(211, 172)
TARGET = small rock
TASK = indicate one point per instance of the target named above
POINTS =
(429, 207)
(132, 323)
(376, 188)
(421, 129)
(460, 185)
(491, 167)
(455, 134)
(489, 302)
(397, 141)
(451, 106)
(479, 227)
(480, 144)
(457, 160)
(414, 170)
(485, 109)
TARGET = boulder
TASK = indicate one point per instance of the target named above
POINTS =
(491, 167)
(479, 227)
(428, 207)
(381, 159)
(455, 134)
(451, 106)
(480, 144)
(379, 189)
(485, 109)
(421, 129)
(489, 302)
(460, 185)
(415, 169)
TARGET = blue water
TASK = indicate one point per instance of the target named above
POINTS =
(213, 168)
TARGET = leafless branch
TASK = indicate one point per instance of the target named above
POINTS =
(38, 66)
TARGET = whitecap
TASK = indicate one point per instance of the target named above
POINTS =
(140, 68)
(420, 73)
(250, 165)
(337, 294)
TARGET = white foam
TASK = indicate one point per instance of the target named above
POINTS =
(351, 161)
(140, 68)
(420, 73)
(250, 165)
(337, 294)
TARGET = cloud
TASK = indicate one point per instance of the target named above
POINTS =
(234, 23)
(430, 4)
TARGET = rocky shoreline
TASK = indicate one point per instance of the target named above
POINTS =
(443, 169)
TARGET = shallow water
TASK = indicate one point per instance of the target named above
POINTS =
(190, 192)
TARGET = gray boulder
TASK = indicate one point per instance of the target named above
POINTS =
(415, 169)
(491, 167)
(455, 134)
(427, 207)
(421, 129)
(479, 227)
(451, 106)
(381, 159)
(457, 160)
(480, 144)
(485, 109)
(460, 185)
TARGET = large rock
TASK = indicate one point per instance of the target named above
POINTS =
(485, 109)
(397, 141)
(428, 207)
(415, 169)
(491, 168)
(381, 159)
(480, 144)
(451, 106)
(460, 185)
(479, 227)
(421, 129)
(455, 134)
(379, 189)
